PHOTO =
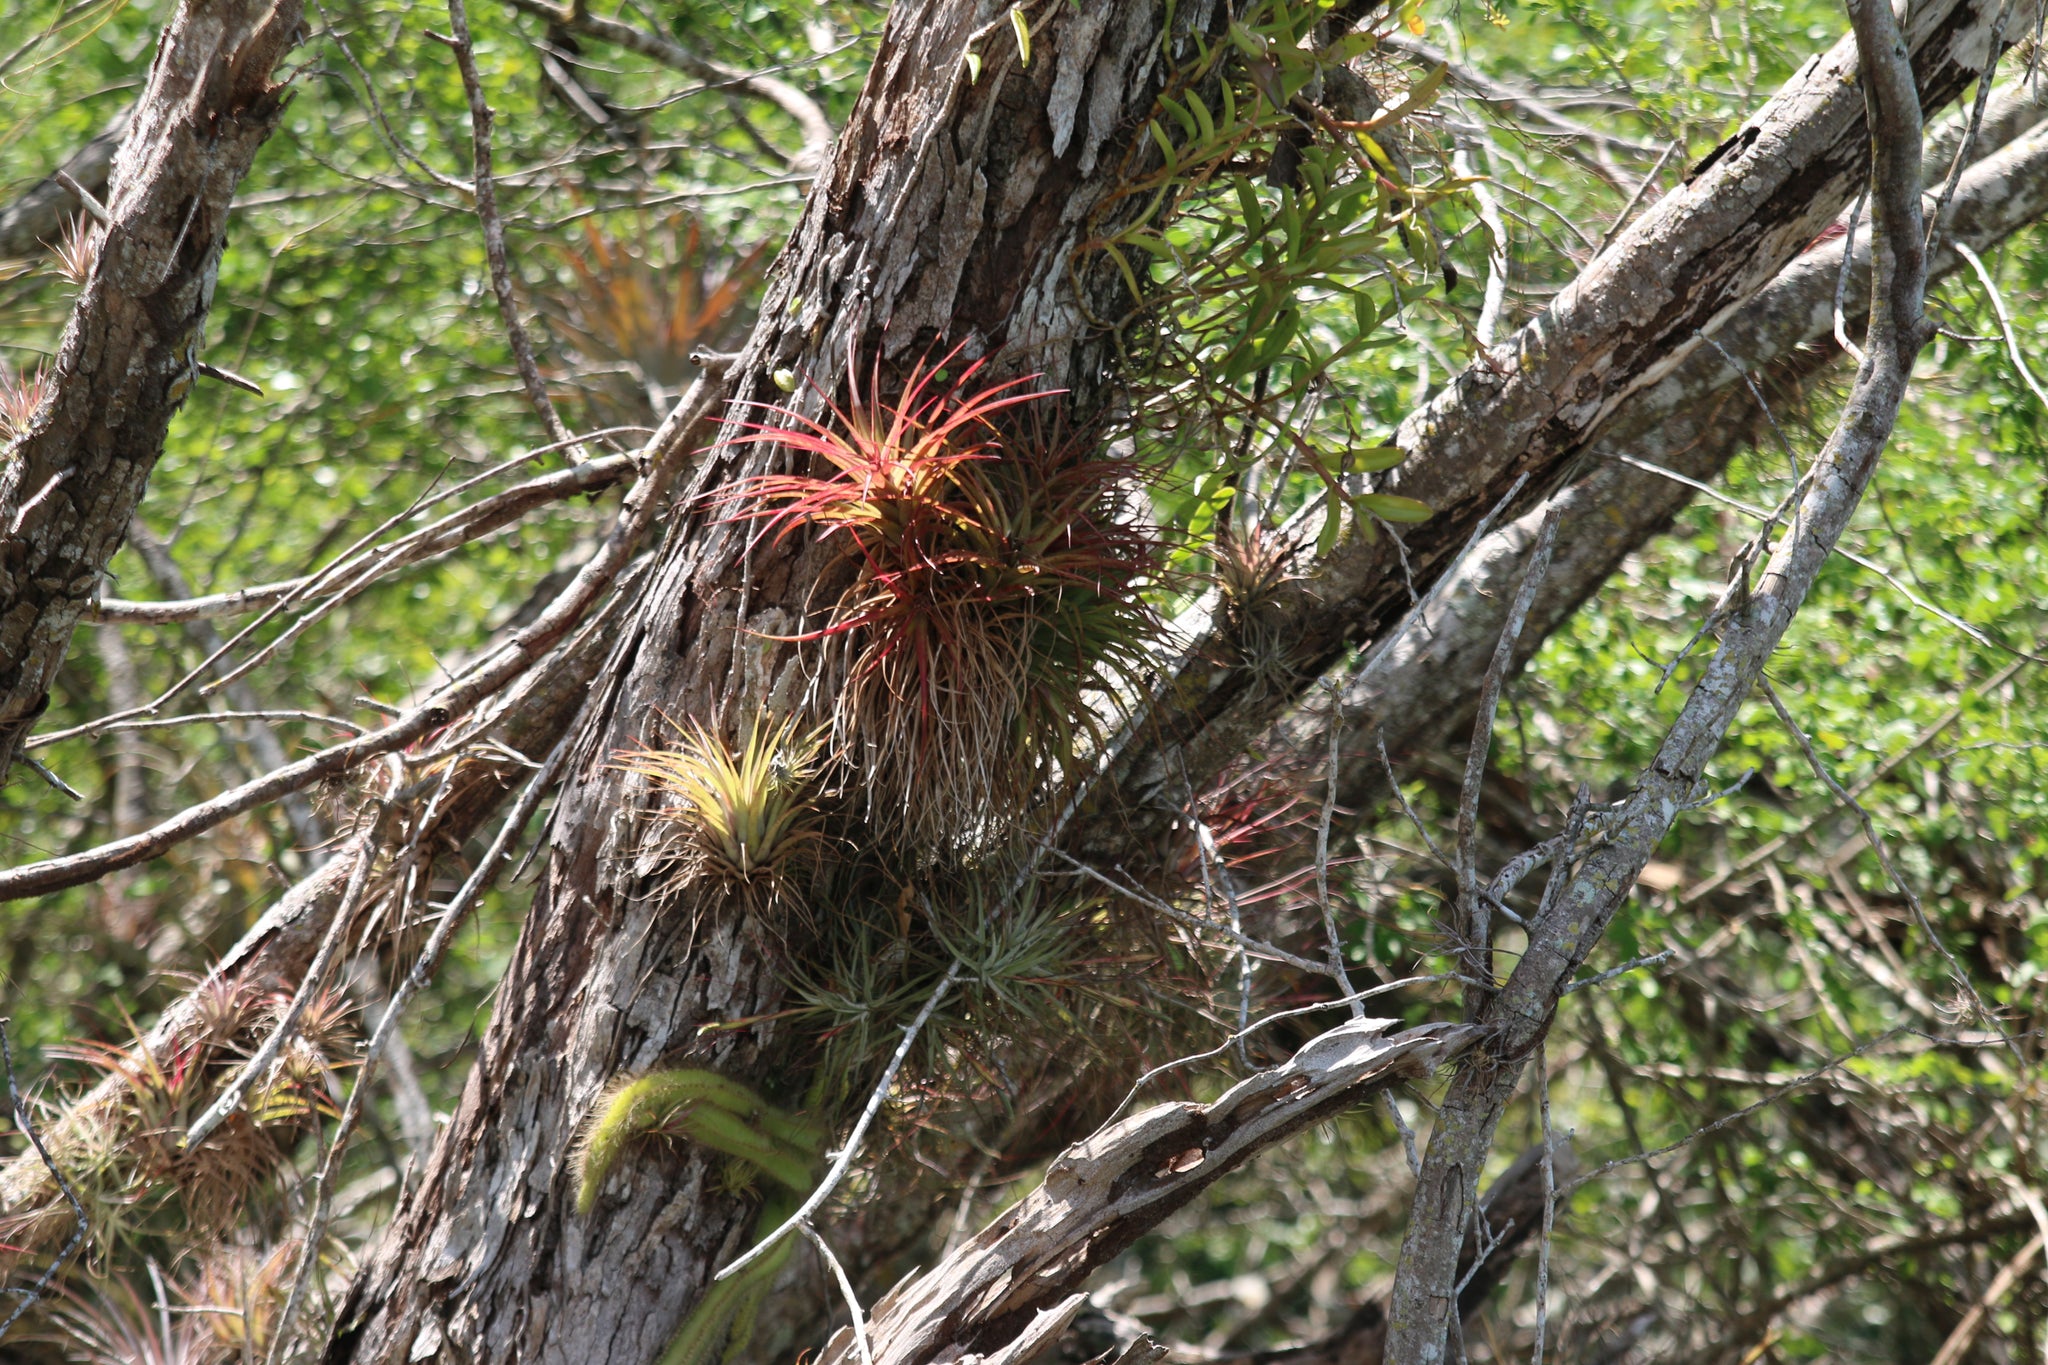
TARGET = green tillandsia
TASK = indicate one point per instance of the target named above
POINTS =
(707, 1109)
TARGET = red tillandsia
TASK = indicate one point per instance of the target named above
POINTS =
(995, 583)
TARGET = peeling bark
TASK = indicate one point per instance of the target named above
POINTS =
(1418, 690)
(72, 481)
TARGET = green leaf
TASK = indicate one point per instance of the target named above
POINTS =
(1349, 46)
(1022, 28)
(1393, 507)
(1165, 144)
(1372, 459)
(1248, 202)
(1203, 121)
(1364, 312)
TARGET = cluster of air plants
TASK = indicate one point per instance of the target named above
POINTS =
(223, 1315)
(745, 819)
(127, 1157)
(996, 597)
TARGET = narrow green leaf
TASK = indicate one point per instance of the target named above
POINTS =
(1393, 507)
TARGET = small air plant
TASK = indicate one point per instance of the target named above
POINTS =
(642, 303)
(115, 1325)
(1252, 573)
(76, 252)
(746, 818)
(996, 587)
(21, 395)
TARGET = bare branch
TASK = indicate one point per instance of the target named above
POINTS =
(998, 1292)
(668, 453)
(817, 129)
(480, 120)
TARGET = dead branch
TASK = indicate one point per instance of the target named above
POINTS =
(1010, 1290)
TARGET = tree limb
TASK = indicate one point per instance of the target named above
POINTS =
(1751, 621)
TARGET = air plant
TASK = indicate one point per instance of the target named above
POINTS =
(130, 1159)
(117, 1326)
(744, 818)
(76, 252)
(21, 394)
(1253, 575)
(241, 1291)
(646, 301)
(995, 590)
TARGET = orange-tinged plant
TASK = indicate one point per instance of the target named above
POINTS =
(645, 301)
(995, 592)
(20, 396)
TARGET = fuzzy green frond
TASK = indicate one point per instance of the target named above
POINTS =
(705, 1108)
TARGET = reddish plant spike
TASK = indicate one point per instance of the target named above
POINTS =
(993, 585)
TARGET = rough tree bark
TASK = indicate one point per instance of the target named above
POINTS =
(73, 479)
(950, 208)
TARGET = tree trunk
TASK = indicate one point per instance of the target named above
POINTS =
(73, 479)
(950, 211)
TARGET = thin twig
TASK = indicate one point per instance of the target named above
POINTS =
(1407, 1133)
(851, 1147)
(1633, 964)
(1334, 941)
(1549, 1204)
(1477, 929)
(480, 120)
(2012, 342)
(1776, 1094)
(1891, 871)
(860, 1326)
(1174, 912)
(28, 1130)
(1205, 843)
(1842, 280)
(1937, 221)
